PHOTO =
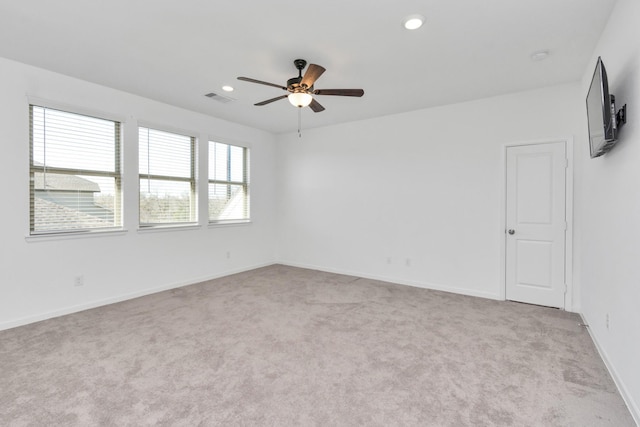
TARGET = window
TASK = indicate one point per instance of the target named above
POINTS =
(228, 183)
(167, 178)
(74, 172)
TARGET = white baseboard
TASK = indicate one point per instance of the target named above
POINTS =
(119, 298)
(628, 399)
(415, 284)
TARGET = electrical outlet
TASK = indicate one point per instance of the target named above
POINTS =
(607, 320)
(78, 280)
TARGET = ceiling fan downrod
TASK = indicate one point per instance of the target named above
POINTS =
(293, 84)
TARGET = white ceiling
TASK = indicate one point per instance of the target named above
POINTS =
(177, 51)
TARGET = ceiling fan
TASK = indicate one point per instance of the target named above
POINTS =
(301, 88)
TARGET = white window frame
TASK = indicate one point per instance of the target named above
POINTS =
(117, 228)
(192, 180)
(245, 183)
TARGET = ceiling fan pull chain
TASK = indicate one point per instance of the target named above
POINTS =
(299, 122)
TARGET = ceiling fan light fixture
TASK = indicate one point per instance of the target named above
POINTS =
(300, 99)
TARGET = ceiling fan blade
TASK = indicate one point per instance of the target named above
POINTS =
(339, 92)
(311, 75)
(269, 101)
(315, 106)
(247, 79)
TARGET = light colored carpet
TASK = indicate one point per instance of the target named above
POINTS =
(283, 346)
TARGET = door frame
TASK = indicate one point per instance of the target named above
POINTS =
(570, 297)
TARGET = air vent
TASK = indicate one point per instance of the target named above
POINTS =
(219, 98)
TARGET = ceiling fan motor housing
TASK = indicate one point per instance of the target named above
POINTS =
(293, 85)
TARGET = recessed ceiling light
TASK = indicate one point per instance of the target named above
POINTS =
(413, 22)
(539, 55)
(227, 88)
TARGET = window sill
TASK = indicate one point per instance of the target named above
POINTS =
(240, 222)
(71, 235)
(172, 227)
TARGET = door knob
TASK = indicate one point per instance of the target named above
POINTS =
(512, 231)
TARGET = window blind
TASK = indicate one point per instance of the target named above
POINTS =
(167, 178)
(74, 172)
(228, 182)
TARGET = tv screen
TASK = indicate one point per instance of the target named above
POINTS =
(600, 113)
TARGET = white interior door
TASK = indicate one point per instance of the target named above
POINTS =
(536, 224)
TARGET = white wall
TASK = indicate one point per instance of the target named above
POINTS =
(424, 186)
(610, 211)
(37, 277)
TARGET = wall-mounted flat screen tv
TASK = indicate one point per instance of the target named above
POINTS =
(601, 113)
